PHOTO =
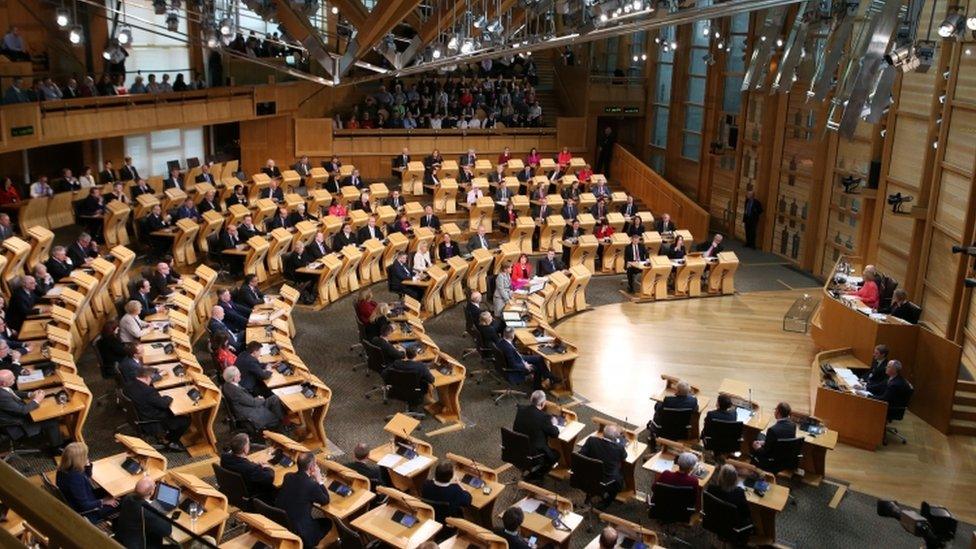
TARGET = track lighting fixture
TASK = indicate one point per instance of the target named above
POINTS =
(124, 35)
(76, 35)
(952, 26)
(63, 18)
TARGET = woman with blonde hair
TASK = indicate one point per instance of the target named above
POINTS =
(377, 321)
(365, 305)
(73, 478)
(726, 488)
(131, 327)
(421, 259)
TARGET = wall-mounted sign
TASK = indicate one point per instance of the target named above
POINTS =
(621, 110)
(21, 131)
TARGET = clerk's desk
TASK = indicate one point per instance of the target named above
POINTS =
(634, 449)
(262, 530)
(838, 324)
(471, 536)
(859, 420)
(380, 524)
(670, 385)
(535, 504)
(628, 533)
(763, 508)
(469, 473)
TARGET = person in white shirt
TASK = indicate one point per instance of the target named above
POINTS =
(474, 123)
(87, 178)
(165, 86)
(41, 188)
(462, 124)
(436, 122)
(474, 194)
(421, 259)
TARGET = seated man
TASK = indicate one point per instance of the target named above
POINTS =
(187, 211)
(511, 524)
(152, 406)
(15, 409)
(550, 264)
(877, 373)
(411, 365)
(532, 421)
(143, 294)
(378, 476)
(902, 308)
(472, 308)
(391, 352)
(263, 413)
(249, 294)
(724, 410)
(664, 224)
(533, 366)
(479, 240)
(59, 265)
(10, 360)
(398, 273)
(251, 369)
(130, 365)
(713, 248)
(444, 493)
(609, 450)
(217, 324)
(608, 538)
(301, 491)
(682, 399)
(137, 527)
(764, 453)
(490, 329)
(897, 391)
(235, 315)
(83, 250)
(257, 476)
(683, 476)
(429, 219)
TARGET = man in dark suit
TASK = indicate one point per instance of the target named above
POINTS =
(82, 250)
(391, 352)
(608, 450)
(205, 176)
(263, 413)
(876, 376)
(764, 449)
(542, 211)
(209, 203)
(490, 329)
(345, 237)
(140, 188)
(253, 372)
(529, 365)
(249, 294)
(6, 228)
(229, 238)
(137, 527)
(91, 211)
(303, 168)
(370, 230)
(353, 180)
(108, 175)
(361, 464)
(479, 240)
(599, 210)
(629, 208)
(258, 477)
(59, 266)
(472, 307)
(447, 496)
(751, 211)
(511, 522)
(274, 192)
(235, 315)
(532, 421)
(398, 273)
(187, 210)
(317, 248)
(395, 201)
(271, 170)
(664, 225)
(570, 211)
(151, 406)
(174, 181)
(217, 325)
(897, 391)
(549, 264)
(279, 220)
(161, 279)
(22, 302)
(400, 163)
(299, 493)
(902, 308)
(15, 409)
(682, 399)
(130, 365)
(713, 248)
(10, 360)
(633, 256)
(247, 228)
(724, 410)
(429, 219)
(447, 248)
(468, 159)
(128, 172)
(409, 364)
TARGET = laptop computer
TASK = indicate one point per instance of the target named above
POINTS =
(167, 497)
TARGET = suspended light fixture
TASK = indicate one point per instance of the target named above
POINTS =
(334, 10)
(76, 35)
(481, 22)
(113, 53)
(638, 5)
(779, 42)
(226, 27)
(674, 45)
(952, 26)
(159, 7)
(124, 36)
(452, 44)
(468, 46)
(172, 21)
(209, 35)
(496, 27)
(438, 52)
(971, 22)
(63, 18)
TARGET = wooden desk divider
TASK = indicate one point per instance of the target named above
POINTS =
(71, 415)
(318, 176)
(115, 222)
(357, 219)
(212, 223)
(687, 278)
(279, 241)
(587, 222)
(265, 531)
(385, 215)
(453, 291)
(143, 205)
(103, 272)
(292, 201)
(200, 190)
(17, 252)
(259, 182)
(311, 411)
(123, 258)
(330, 225)
(262, 209)
(563, 504)
(551, 234)
(348, 195)
(148, 457)
(343, 507)
(654, 277)
(236, 213)
(348, 278)
(173, 198)
(521, 205)
(318, 200)
(60, 210)
(254, 260)
(62, 359)
(33, 213)
(470, 535)
(370, 266)
(555, 302)
(41, 239)
(521, 234)
(586, 201)
(421, 235)
(414, 212)
(210, 499)
(576, 292)
(413, 180)
(477, 274)
(481, 183)
(652, 242)
(305, 232)
(184, 253)
(584, 252)
(228, 182)
(445, 196)
(290, 180)
(721, 276)
(433, 304)
(613, 253)
(378, 191)
(328, 289)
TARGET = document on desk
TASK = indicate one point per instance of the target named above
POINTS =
(509, 316)
(847, 376)
(54, 291)
(544, 339)
(409, 467)
(863, 309)
(265, 349)
(743, 415)
(36, 375)
(389, 460)
(572, 520)
(528, 505)
(661, 465)
(289, 390)
(259, 317)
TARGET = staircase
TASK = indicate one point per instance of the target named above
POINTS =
(543, 91)
(963, 420)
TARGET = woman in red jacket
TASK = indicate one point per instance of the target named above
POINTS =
(563, 159)
(9, 193)
(869, 293)
(521, 272)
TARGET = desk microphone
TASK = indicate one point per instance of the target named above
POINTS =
(557, 521)
(752, 407)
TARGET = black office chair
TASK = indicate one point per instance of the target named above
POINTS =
(671, 506)
(586, 474)
(897, 413)
(784, 459)
(722, 438)
(275, 514)
(502, 371)
(240, 424)
(672, 423)
(232, 485)
(53, 489)
(8, 437)
(102, 367)
(148, 427)
(516, 451)
(721, 518)
(358, 348)
(407, 387)
(352, 539)
(375, 362)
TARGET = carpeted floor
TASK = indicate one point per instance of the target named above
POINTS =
(324, 340)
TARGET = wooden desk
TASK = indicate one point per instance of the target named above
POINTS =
(664, 460)
(635, 449)
(471, 535)
(311, 411)
(200, 439)
(408, 480)
(565, 443)
(263, 530)
(857, 420)
(116, 481)
(343, 507)
(537, 501)
(326, 269)
(687, 276)
(613, 253)
(445, 196)
(654, 277)
(560, 364)
(468, 471)
(576, 292)
(72, 414)
(551, 234)
(584, 252)
(721, 275)
(413, 181)
(275, 442)
(627, 533)
(521, 234)
(763, 508)
(379, 522)
(670, 385)
(211, 500)
(447, 386)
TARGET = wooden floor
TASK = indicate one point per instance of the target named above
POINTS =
(624, 349)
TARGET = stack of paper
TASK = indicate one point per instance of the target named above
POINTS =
(413, 465)
(743, 415)
(662, 464)
(36, 375)
(289, 390)
(389, 460)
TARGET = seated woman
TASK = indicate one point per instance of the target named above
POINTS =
(338, 210)
(677, 250)
(533, 158)
(131, 328)
(220, 349)
(563, 159)
(636, 227)
(110, 347)
(584, 174)
(73, 478)
(421, 259)
(9, 193)
(401, 225)
(365, 305)
(868, 292)
(508, 216)
(521, 273)
(727, 489)
(379, 318)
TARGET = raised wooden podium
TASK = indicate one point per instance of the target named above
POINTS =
(478, 270)
(613, 253)
(551, 234)
(654, 278)
(509, 252)
(584, 252)
(615, 220)
(41, 239)
(555, 296)
(445, 196)
(721, 275)
(432, 302)
(652, 242)
(114, 228)
(687, 277)
(413, 179)
(521, 233)
(521, 204)
(348, 276)
(480, 214)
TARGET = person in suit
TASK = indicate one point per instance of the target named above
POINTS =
(22, 302)
(257, 475)
(15, 409)
(118, 193)
(128, 172)
(131, 327)
(902, 308)
(361, 464)
(391, 352)
(608, 450)
(599, 210)
(511, 524)
(209, 203)
(230, 237)
(353, 180)
(447, 496)
(570, 211)
(503, 287)
(473, 307)
(263, 413)
(187, 210)
(634, 256)
(59, 265)
(174, 181)
(677, 249)
(897, 390)
(876, 375)
(131, 363)
(249, 294)
(549, 264)
(532, 421)
(235, 315)
(238, 197)
(400, 163)
(726, 488)
(161, 279)
(247, 228)
(751, 211)
(398, 273)
(332, 165)
(629, 209)
(447, 248)
(252, 371)
(468, 159)
(345, 237)
(303, 168)
(533, 366)
(635, 226)
(10, 360)
(152, 406)
(140, 188)
(92, 211)
(318, 248)
(9, 337)
(395, 201)
(73, 479)
(217, 324)
(713, 248)
(6, 228)
(764, 449)
(429, 219)
(490, 329)
(205, 176)
(686, 462)
(279, 220)
(273, 192)
(157, 221)
(370, 230)
(401, 225)
(409, 364)
(724, 410)
(82, 250)
(300, 214)
(298, 259)
(108, 175)
(111, 348)
(136, 527)
(682, 399)
(299, 493)
(664, 224)
(271, 170)
(479, 240)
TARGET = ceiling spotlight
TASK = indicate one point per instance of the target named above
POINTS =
(438, 52)
(172, 22)
(226, 27)
(762, 38)
(603, 18)
(674, 46)
(952, 25)
(971, 22)
(159, 7)
(627, 8)
(636, 58)
(208, 34)
(643, 57)
(638, 5)
(720, 46)
(124, 36)
(657, 39)
(496, 27)
(718, 34)
(468, 46)
(706, 31)
(452, 44)
(113, 53)
(480, 22)
(779, 42)
(63, 18)
(334, 10)
(968, 51)
(76, 35)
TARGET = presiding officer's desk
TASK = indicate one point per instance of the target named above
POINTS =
(763, 508)
(628, 533)
(634, 448)
(858, 420)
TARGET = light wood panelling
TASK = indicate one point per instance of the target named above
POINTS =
(939, 280)
(571, 132)
(969, 337)
(892, 262)
(313, 136)
(906, 164)
(950, 212)
(961, 142)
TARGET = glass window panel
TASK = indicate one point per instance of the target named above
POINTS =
(698, 65)
(165, 139)
(693, 118)
(660, 137)
(696, 90)
(740, 23)
(699, 36)
(732, 99)
(737, 54)
(663, 88)
(691, 146)
(657, 162)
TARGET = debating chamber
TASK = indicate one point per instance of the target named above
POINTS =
(487, 274)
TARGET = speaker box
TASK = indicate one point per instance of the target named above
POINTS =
(266, 108)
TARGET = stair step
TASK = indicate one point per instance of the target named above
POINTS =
(967, 386)
(964, 412)
(962, 427)
(965, 398)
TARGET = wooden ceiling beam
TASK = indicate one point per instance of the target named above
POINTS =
(385, 16)
(353, 10)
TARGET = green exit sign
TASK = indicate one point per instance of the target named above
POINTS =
(21, 131)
